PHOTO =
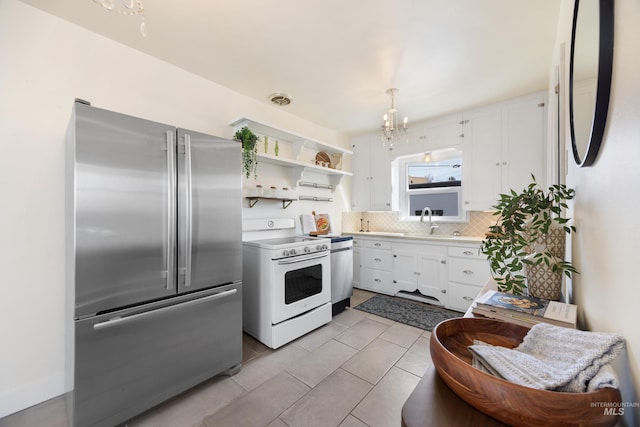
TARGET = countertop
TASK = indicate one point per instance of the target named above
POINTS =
(413, 236)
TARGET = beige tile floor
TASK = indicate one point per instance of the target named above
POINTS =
(358, 370)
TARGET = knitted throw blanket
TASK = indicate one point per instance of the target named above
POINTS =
(554, 358)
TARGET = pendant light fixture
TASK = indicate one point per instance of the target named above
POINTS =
(127, 8)
(391, 133)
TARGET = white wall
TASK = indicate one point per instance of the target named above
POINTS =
(606, 247)
(45, 63)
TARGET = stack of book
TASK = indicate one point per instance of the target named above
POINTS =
(525, 310)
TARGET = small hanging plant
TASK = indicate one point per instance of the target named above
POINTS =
(249, 142)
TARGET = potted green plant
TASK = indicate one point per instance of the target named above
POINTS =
(249, 142)
(528, 238)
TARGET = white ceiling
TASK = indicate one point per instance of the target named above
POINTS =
(336, 58)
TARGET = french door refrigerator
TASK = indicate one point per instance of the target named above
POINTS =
(154, 262)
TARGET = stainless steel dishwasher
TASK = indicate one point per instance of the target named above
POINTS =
(341, 273)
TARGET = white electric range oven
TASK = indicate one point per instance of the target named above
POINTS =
(286, 288)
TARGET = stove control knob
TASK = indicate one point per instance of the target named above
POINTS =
(307, 249)
(319, 248)
(292, 252)
(325, 246)
(285, 253)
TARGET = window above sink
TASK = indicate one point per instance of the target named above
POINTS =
(432, 179)
(435, 169)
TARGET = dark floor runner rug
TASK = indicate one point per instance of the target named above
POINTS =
(423, 316)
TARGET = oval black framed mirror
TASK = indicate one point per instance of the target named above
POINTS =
(590, 68)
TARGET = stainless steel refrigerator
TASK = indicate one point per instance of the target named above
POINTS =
(154, 262)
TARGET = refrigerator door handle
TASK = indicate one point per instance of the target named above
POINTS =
(171, 206)
(188, 211)
(122, 320)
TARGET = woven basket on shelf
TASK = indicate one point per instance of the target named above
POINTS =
(542, 282)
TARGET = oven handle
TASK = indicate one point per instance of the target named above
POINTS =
(296, 260)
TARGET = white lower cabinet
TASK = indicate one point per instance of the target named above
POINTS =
(437, 272)
(468, 272)
(405, 271)
(377, 281)
(420, 268)
(376, 265)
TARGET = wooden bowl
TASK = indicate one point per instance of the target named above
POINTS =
(510, 403)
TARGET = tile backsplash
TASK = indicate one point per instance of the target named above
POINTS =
(477, 226)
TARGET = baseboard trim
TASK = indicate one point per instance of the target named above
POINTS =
(27, 395)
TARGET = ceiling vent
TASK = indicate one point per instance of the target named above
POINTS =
(280, 99)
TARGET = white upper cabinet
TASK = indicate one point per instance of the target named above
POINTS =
(523, 141)
(504, 144)
(481, 181)
(441, 132)
(371, 167)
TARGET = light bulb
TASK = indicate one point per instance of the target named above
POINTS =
(143, 28)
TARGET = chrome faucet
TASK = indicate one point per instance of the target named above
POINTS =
(431, 226)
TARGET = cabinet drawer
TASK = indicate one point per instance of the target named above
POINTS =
(461, 296)
(377, 281)
(378, 259)
(471, 252)
(377, 244)
(469, 271)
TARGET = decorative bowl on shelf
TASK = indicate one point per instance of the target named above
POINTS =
(508, 402)
(323, 159)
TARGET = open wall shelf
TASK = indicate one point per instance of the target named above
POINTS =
(298, 143)
(255, 199)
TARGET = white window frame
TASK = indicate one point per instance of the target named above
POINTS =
(402, 192)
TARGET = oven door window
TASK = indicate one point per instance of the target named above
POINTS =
(302, 283)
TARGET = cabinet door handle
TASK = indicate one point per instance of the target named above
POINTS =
(444, 291)
(377, 259)
(377, 244)
(417, 273)
(443, 261)
(469, 272)
(377, 280)
(467, 253)
(395, 256)
(466, 298)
